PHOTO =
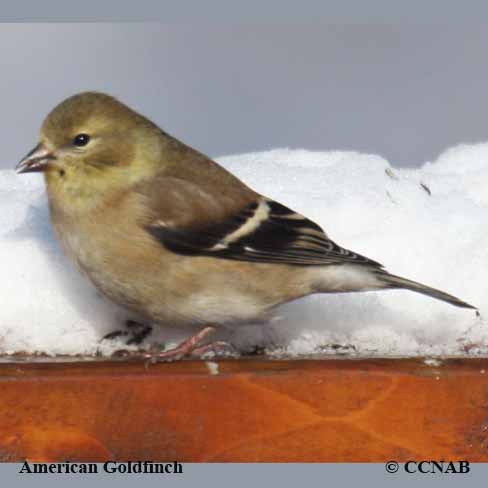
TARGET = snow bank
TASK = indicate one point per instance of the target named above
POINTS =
(429, 224)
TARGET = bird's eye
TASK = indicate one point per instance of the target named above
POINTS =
(81, 140)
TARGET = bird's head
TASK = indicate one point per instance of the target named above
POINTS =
(90, 137)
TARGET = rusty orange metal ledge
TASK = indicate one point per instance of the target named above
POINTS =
(247, 410)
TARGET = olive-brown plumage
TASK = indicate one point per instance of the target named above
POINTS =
(168, 233)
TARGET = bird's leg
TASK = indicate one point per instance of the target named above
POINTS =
(183, 349)
(189, 347)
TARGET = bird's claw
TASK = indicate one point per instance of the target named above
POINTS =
(190, 348)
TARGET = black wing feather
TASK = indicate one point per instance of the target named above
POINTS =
(282, 237)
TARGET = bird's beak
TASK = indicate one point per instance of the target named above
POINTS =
(35, 161)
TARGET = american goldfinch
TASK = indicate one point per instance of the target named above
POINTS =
(166, 232)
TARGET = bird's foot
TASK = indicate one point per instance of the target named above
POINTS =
(137, 332)
(190, 348)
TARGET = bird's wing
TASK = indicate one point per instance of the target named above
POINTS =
(189, 221)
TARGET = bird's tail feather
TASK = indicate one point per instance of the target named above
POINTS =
(393, 281)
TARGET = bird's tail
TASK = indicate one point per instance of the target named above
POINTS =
(392, 281)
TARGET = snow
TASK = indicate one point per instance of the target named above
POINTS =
(428, 224)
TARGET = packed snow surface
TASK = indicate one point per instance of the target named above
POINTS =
(428, 224)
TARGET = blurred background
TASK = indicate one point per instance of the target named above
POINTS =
(405, 92)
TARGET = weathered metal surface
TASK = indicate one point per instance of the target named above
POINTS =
(245, 410)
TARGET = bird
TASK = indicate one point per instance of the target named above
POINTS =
(173, 237)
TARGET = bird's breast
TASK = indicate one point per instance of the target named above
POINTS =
(117, 257)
